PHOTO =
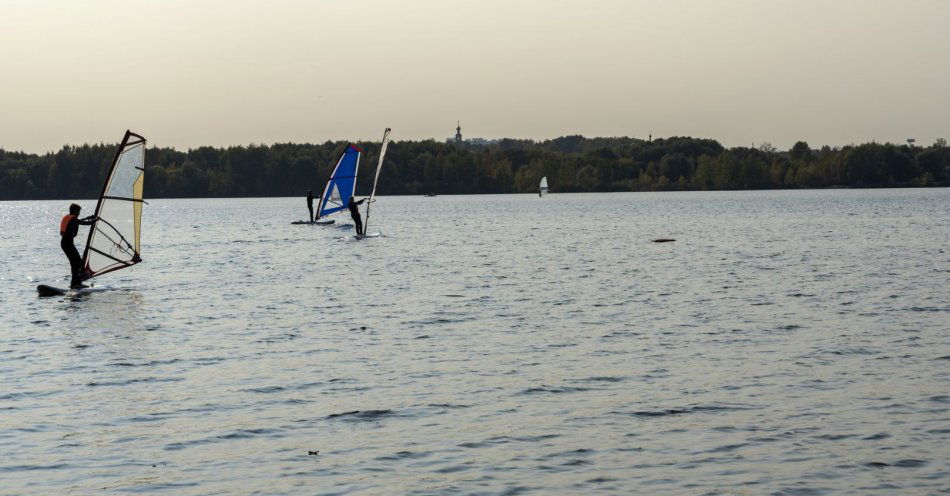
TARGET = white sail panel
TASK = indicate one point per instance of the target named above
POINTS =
(115, 238)
(544, 185)
(379, 167)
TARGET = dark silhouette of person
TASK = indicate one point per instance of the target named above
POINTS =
(310, 203)
(68, 229)
(353, 205)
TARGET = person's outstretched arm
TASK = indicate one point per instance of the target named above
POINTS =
(87, 221)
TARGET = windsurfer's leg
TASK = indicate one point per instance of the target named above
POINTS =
(75, 265)
(311, 212)
(76, 280)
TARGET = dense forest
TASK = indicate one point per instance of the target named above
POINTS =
(571, 163)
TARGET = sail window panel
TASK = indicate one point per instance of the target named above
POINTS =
(126, 173)
(115, 234)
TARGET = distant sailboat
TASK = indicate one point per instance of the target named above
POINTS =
(372, 195)
(543, 187)
(115, 238)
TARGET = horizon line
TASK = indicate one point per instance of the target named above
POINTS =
(449, 140)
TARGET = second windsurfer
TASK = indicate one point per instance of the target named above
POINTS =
(310, 203)
(353, 205)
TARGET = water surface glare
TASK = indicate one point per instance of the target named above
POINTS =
(791, 342)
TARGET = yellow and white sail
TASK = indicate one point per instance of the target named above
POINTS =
(115, 239)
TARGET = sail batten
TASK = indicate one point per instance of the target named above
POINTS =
(115, 237)
(342, 183)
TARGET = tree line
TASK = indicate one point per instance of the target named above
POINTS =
(571, 164)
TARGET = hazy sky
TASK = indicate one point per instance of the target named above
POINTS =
(227, 72)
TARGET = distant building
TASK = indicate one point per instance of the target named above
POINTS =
(457, 140)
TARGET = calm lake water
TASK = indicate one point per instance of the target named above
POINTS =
(789, 342)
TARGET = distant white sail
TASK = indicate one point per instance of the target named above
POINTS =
(544, 186)
(115, 238)
(379, 166)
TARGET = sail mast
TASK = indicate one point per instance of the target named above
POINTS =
(379, 166)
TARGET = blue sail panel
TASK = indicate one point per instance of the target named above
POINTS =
(342, 183)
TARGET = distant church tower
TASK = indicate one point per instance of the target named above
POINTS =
(458, 132)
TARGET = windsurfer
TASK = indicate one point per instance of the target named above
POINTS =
(310, 203)
(353, 205)
(68, 229)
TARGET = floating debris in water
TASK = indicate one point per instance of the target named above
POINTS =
(361, 414)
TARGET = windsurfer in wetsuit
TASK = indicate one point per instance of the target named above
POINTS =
(353, 205)
(310, 203)
(68, 229)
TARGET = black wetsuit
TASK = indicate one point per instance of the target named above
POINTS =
(66, 243)
(355, 213)
(310, 204)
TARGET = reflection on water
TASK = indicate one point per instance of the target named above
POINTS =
(790, 342)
